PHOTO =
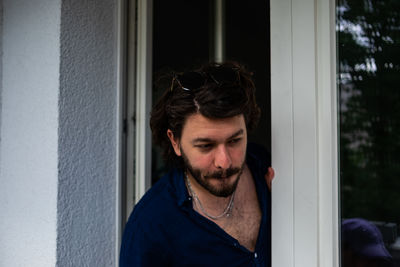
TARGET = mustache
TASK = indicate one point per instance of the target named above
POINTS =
(223, 173)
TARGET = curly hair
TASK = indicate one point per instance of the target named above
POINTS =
(218, 96)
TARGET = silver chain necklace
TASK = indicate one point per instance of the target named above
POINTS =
(226, 212)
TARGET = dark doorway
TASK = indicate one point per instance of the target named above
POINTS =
(183, 34)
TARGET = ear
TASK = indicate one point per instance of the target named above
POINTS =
(174, 142)
(269, 176)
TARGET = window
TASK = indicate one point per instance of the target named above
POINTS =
(369, 63)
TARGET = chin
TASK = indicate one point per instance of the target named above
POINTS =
(222, 187)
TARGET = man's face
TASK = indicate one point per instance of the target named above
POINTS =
(214, 151)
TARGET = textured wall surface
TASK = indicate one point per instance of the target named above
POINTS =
(1, 60)
(58, 133)
(29, 117)
(87, 130)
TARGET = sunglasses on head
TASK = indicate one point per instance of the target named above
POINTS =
(195, 79)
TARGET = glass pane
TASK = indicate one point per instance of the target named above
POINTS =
(369, 121)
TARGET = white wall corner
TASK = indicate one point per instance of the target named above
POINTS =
(29, 132)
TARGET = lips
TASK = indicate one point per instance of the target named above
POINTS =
(223, 174)
(220, 177)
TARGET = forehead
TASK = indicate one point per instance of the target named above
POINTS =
(198, 126)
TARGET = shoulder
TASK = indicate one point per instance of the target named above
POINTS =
(160, 197)
(144, 239)
(258, 158)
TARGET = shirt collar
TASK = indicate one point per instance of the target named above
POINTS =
(181, 190)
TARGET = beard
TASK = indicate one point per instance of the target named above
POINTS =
(225, 189)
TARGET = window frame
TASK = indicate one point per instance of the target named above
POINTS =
(305, 199)
(305, 196)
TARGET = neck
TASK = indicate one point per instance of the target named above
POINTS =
(209, 205)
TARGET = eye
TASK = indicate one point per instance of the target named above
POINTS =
(234, 141)
(205, 146)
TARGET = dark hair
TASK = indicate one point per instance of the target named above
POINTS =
(216, 97)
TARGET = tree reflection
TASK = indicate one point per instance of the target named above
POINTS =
(369, 90)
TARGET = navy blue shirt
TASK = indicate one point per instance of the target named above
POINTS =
(164, 230)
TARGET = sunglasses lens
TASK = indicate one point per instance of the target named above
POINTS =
(191, 80)
(224, 75)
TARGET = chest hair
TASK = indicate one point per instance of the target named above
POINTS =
(244, 222)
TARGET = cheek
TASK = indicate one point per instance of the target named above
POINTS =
(202, 161)
(238, 156)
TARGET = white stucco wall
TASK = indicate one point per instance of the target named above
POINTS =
(1, 59)
(58, 133)
(29, 125)
(87, 134)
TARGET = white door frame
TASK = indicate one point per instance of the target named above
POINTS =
(304, 134)
(305, 229)
(143, 97)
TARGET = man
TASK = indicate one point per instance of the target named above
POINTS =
(213, 208)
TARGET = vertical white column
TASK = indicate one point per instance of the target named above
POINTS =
(29, 132)
(328, 156)
(282, 135)
(143, 98)
(305, 195)
(305, 134)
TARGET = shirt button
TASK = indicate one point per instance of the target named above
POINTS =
(255, 255)
(235, 244)
(189, 198)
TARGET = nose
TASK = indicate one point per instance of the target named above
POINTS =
(222, 158)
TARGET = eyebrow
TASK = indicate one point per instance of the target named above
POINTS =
(207, 140)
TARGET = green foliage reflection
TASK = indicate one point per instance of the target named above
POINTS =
(369, 90)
